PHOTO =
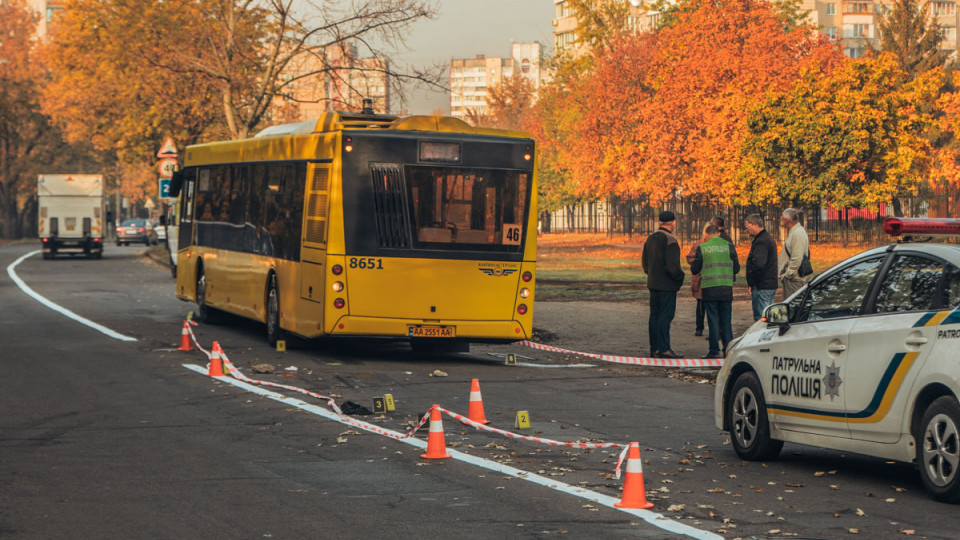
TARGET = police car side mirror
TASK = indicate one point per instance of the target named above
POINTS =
(777, 315)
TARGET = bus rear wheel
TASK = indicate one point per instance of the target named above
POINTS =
(274, 332)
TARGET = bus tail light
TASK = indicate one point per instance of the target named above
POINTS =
(527, 276)
(339, 303)
(337, 286)
(337, 269)
(899, 226)
(524, 293)
(522, 309)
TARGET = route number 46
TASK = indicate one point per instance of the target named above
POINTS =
(512, 234)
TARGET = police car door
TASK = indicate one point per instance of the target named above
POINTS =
(810, 358)
(889, 346)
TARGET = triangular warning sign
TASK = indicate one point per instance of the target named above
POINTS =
(168, 149)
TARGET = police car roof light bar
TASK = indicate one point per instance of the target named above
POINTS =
(899, 226)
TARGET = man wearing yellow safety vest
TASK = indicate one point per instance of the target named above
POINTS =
(716, 261)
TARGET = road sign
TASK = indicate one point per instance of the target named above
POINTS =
(164, 188)
(167, 167)
(168, 149)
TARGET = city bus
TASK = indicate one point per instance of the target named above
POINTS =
(421, 228)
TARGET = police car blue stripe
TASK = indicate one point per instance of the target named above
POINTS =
(952, 318)
(925, 319)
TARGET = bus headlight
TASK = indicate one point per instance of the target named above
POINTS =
(337, 286)
(524, 293)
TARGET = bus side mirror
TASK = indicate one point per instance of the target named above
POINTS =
(176, 183)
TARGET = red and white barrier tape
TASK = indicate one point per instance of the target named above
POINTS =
(331, 402)
(632, 360)
(541, 440)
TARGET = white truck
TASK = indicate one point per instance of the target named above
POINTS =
(72, 210)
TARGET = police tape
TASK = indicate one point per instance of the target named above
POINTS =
(631, 360)
(540, 440)
(331, 403)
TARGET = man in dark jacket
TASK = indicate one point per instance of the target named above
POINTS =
(762, 274)
(716, 262)
(661, 263)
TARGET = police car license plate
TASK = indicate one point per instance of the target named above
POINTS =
(433, 331)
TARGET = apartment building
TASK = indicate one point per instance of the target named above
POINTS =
(641, 17)
(853, 22)
(337, 80)
(46, 10)
(472, 78)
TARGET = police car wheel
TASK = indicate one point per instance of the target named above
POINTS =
(938, 451)
(747, 420)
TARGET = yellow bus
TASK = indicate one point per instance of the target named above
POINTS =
(421, 228)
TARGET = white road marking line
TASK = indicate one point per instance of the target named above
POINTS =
(653, 518)
(555, 366)
(59, 309)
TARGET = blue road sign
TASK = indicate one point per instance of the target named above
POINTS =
(164, 188)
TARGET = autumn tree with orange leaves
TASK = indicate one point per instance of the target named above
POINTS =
(29, 143)
(853, 138)
(663, 113)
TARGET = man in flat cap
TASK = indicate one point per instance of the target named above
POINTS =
(661, 263)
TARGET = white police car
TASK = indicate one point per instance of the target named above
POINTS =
(865, 358)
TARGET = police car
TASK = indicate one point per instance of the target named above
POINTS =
(865, 358)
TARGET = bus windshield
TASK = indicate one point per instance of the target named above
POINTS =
(477, 207)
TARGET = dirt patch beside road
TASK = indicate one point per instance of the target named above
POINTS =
(620, 328)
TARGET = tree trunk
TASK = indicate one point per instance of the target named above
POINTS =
(897, 207)
(9, 222)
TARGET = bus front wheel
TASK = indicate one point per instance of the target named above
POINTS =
(274, 332)
(205, 313)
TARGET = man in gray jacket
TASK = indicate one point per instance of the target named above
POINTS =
(795, 247)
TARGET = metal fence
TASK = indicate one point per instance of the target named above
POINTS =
(823, 224)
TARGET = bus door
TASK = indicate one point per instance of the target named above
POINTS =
(313, 254)
(187, 196)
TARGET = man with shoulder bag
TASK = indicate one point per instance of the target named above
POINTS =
(794, 260)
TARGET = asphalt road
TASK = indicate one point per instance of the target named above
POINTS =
(101, 438)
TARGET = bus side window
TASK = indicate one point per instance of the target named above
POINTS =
(256, 218)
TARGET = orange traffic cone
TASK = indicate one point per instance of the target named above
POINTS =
(634, 495)
(436, 444)
(185, 343)
(475, 411)
(216, 364)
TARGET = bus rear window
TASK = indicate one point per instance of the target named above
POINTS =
(468, 207)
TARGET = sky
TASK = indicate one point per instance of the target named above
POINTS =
(466, 28)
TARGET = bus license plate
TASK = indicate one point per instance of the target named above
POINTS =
(433, 331)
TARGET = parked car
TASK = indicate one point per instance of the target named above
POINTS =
(136, 230)
(863, 359)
